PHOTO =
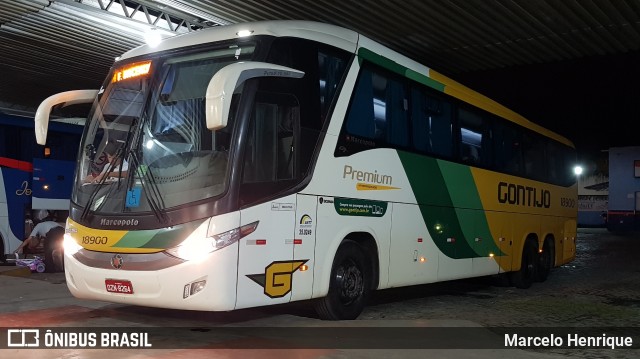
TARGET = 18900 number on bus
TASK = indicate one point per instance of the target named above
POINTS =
(567, 202)
(94, 240)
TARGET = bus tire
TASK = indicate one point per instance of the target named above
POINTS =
(53, 245)
(524, 277)
(349, 285)
(48, 257)
(547, 260)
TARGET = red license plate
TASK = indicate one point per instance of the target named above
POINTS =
(118, 286)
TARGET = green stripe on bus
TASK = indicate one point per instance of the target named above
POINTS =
(436, 205)
(157, 238)
(381, 61)
(399, 69)
(135, 239)
(465, 197)
(425, 80)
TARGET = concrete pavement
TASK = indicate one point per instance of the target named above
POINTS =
(42, 300)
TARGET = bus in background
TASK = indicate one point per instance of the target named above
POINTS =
(34, 179)
(623, 213)
(263, 163)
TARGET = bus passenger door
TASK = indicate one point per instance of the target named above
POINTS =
(269, 166)
(265, 263)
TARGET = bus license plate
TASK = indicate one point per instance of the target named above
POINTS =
(118, 286)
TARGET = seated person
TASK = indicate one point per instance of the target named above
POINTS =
(112, 164)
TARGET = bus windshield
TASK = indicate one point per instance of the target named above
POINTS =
(146, 146)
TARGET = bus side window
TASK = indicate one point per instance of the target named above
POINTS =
(534, 156)
(507, 148)
(554, 162)
(331, 69)
(474, 132)
(360, 119)
(270, 163)
(431, 123)
(270, 153)
(380, 109)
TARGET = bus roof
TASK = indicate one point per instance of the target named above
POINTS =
(317, 31)
(348, 40)
(466, 94)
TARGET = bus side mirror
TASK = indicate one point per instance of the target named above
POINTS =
(228, 79)
(67, 98)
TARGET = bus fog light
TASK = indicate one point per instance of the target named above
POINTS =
(197, 286)
(193, 288)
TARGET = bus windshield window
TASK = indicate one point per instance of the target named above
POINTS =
(154, 123)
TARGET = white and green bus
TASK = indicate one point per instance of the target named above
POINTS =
(263, 163)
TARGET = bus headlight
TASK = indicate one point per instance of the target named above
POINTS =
(198, 248)
(70, 245)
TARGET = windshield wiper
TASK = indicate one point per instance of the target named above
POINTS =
(101, 183)
(153, 195)
(118, 158)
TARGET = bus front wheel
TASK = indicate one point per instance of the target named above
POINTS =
(349, 285)
(524, 277)
(53, 248)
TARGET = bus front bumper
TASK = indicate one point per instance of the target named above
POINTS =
(206, 284)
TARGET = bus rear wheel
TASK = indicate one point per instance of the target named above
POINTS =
(349, 285)
(547, 259)
(524, 277)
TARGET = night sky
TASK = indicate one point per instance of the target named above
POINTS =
(595, 102)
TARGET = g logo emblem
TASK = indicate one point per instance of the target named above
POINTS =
(277, 278)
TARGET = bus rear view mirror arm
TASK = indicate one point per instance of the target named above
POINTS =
(229, 78)
(44, 110)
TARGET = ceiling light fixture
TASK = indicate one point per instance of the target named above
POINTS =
(152, 37)
(244, 33)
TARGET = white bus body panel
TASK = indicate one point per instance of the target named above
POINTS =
(397, 239)
(333, 228)
(330, 180)
(260, 278)
(413, 257)
(305, 245)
